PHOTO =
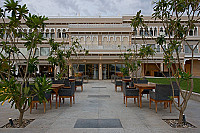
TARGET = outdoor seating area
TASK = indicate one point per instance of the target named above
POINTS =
(103, 104)
(60, 89)
(136, 88)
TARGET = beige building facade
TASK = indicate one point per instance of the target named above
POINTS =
(102, 36)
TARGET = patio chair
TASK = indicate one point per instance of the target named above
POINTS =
(162, 94)
(56, 82)
(176, 91)
(130, 93)
(145, 91)
(67, 92)
(131, 84)
(79, 83)
(36, 100)
(118, 83)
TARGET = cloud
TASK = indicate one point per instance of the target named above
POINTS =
(87, 7)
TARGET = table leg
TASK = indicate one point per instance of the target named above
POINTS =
(140, 93)
(56, 100)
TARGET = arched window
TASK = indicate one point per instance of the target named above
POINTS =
(64, 33)
(195, 31)
(141, 32)
(52, 33)
(58, 33)
(47, 33)
(155, 31)
(151, 32)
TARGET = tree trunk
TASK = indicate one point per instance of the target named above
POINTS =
(180, 117)
(21, 118)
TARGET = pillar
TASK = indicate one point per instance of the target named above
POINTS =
(161, 67)
(100, 71)
(16, 69)
(70, 69)
(38, 71)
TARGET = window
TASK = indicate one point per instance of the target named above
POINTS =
(52, 33)
(64, 34)
(155, 31)
(141, 32)
(191, 33)
(47, 35)
(58, 33)
(195, 31)
(37, 52)
(152, 46)
(23, 51)
(20, 33)
(44, 51)
(151, 32)
(135, 32)
(158, 48)
(146, 32)
(161, 29)
(188, 50)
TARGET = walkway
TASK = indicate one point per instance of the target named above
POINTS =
(109, 105)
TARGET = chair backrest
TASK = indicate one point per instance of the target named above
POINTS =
(127, 77)
(71, 77)
(124, 86)
(176, 89)
(66, 81)
(58, 81)
(131, 84)
(142, 81)
(175, 86)
(163, 92)
(73, 87)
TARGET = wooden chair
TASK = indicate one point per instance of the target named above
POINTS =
(67, 92)
(130, 93)
(36, 100)
(79, 83)
(162, 94)
(118, 83)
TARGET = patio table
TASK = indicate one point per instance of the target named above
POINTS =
(126, 80)
(56, 87)
(141, 87)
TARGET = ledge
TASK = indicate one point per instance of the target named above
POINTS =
(194, 96)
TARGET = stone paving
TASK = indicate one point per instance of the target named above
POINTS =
(102, 103)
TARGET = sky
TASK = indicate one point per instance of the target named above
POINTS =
(87, 7)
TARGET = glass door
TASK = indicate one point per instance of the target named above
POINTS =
(92, 70)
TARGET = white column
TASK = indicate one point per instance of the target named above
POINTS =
(70, 69)
(38, 71)
(100, 71)
(58, 68)
(161, 67)
(16, 69)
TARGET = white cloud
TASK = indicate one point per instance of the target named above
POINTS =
(87, 7)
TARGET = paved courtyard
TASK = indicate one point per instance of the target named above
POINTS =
(99, 101)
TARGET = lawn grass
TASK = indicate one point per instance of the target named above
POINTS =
(183, 84)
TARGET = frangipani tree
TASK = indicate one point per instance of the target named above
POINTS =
(19, 94)
(171, 13)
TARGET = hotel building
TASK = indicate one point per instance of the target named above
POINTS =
(102, 36)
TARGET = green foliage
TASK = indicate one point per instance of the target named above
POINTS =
(138, 20)
(19, 94)
(32, 65)
(42, 85)
(125, 71)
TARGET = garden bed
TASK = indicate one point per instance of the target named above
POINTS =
(174, 124)
(25, 123)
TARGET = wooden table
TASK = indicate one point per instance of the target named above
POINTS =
(71, 80)
(56, 87)
(141, 87)
(126, 80)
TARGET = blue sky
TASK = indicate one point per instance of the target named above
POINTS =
(87, 7)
